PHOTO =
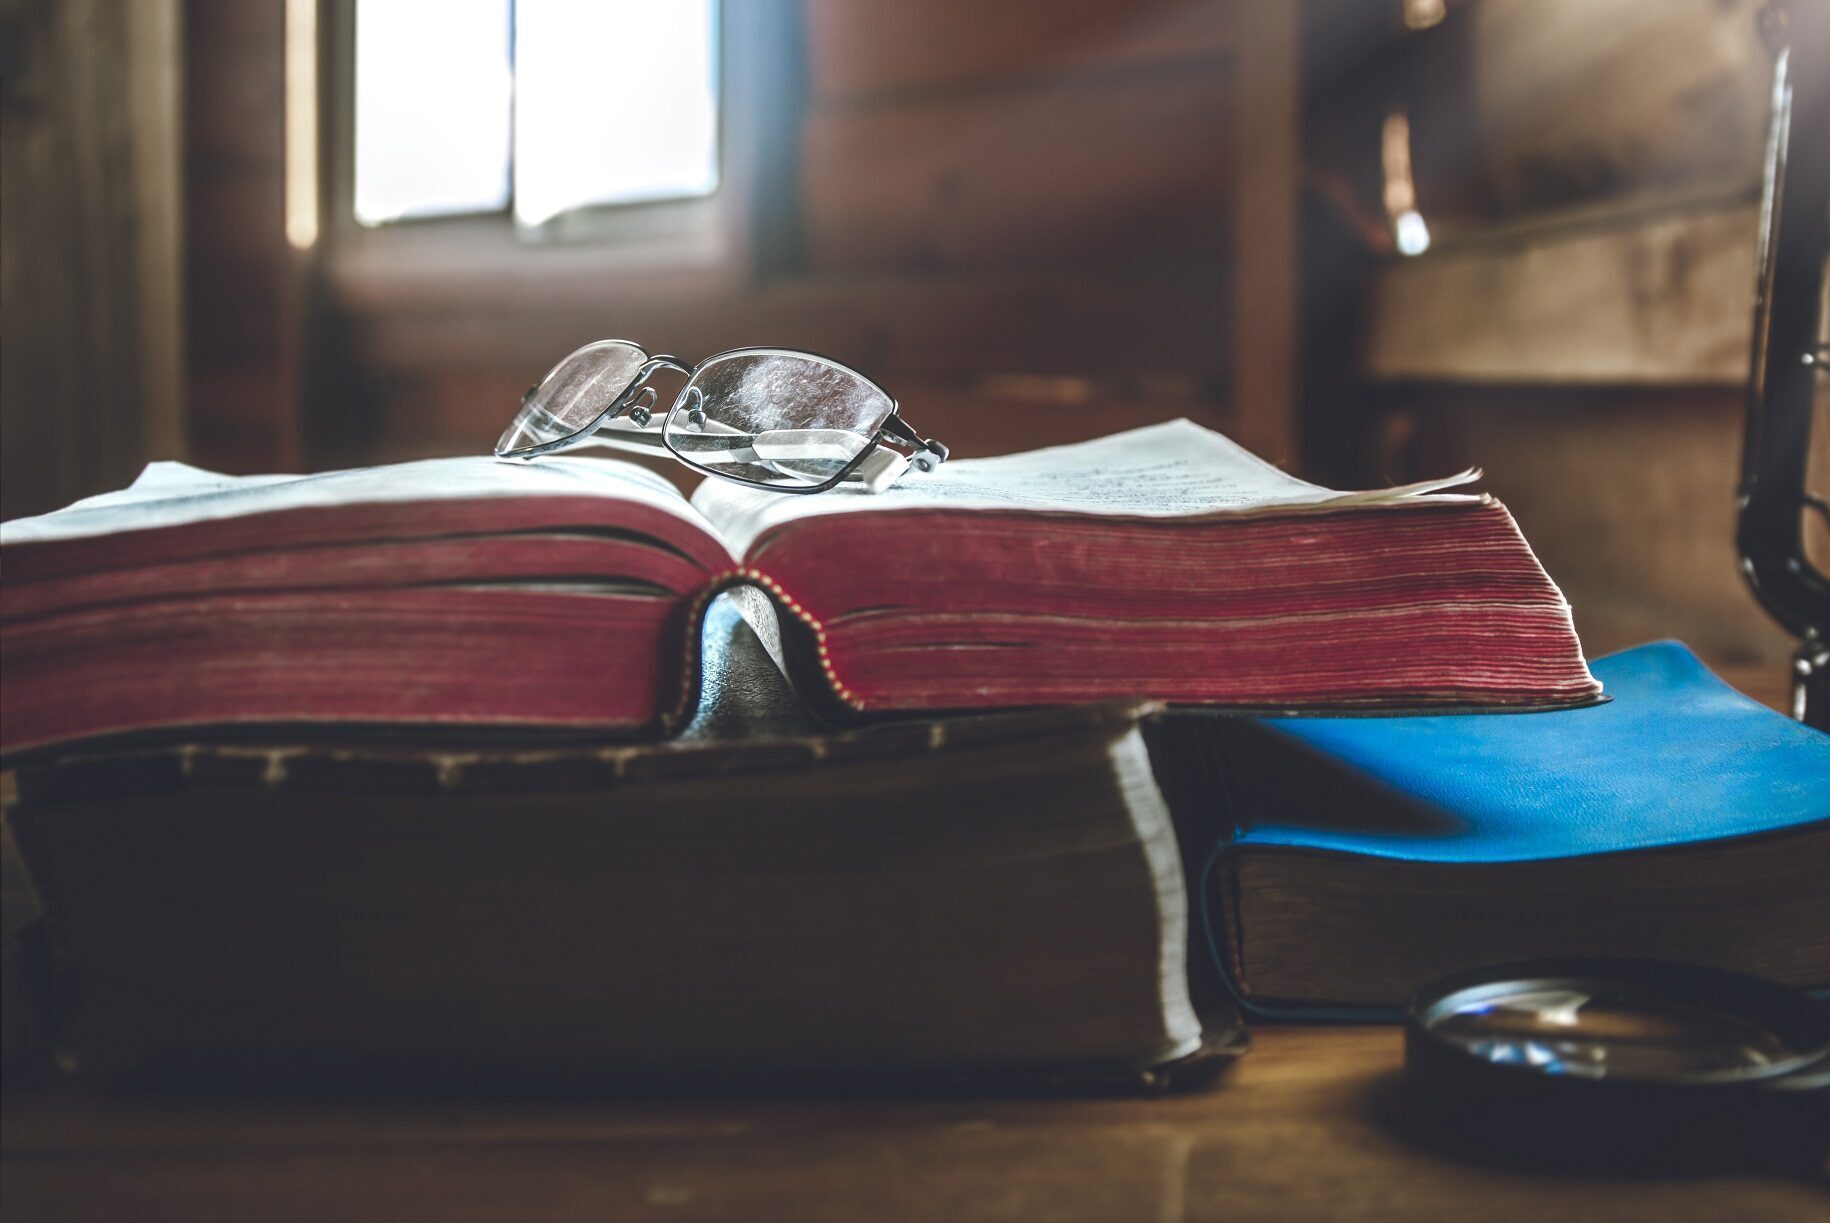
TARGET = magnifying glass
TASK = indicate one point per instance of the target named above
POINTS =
(1612, 1061)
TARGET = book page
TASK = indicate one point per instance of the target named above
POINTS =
(173, 494)
(1173, 470)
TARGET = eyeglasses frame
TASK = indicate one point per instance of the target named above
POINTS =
(925, 453)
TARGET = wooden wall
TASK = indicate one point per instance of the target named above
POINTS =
(1582, 329)
(1028, 219)
(1579, 101)
(91, 382)
(972, 137)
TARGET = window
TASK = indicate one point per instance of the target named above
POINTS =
(539, 108)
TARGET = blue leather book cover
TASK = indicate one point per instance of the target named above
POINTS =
(1674, 767)
(1675, 756)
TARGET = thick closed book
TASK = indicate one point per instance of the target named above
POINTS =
(967, 902)
(1679, 821)
(563, 596)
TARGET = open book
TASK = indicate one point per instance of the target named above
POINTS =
(565, 595)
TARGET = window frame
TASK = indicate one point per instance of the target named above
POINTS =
(708, 240)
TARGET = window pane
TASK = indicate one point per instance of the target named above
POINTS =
(433, 105)
(616, 101)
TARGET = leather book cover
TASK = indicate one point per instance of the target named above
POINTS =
(1589, 800)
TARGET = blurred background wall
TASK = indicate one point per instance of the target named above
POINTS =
(1371, 239)
(91, 180)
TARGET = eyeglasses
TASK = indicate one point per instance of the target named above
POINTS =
(773, 418)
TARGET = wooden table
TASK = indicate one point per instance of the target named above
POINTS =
(1307, 1126)
(1302, 1129)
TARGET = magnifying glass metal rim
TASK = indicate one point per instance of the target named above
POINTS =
(1777, 1115)
(1803, 1022)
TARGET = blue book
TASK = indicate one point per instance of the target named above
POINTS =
(1361, 857)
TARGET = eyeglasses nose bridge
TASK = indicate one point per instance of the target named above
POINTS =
(693, 400)
(639, 409)
(638, 386)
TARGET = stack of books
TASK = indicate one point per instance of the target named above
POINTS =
(544, 769)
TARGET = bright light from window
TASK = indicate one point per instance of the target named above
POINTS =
(1422, 14)
(1409, 233)
(610, 102)
(433, 97)
(616, 102)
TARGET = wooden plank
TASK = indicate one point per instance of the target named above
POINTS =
(1264, 322)
(89, 387)
(1007, 414)
(955, 325)
(243, 310)
(1310, 1125)
(1581, 100)
(869, 50)
(245, 205)
(233, 63)
(233, 420)
(434, 412)
(1103, 172)
(1626, 494)
(154, 87)
(1664, 298)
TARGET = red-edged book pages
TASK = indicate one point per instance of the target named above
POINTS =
(564, 595)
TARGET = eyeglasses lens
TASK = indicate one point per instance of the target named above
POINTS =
(573, 395)
(781, 420)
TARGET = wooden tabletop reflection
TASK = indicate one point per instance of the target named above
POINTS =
(1306, 1127)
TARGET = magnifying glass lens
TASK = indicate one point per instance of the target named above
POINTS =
(1608, 1032)
(1612, 1062)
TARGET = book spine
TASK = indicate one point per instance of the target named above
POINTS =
(804, 641)
(1217, 910)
